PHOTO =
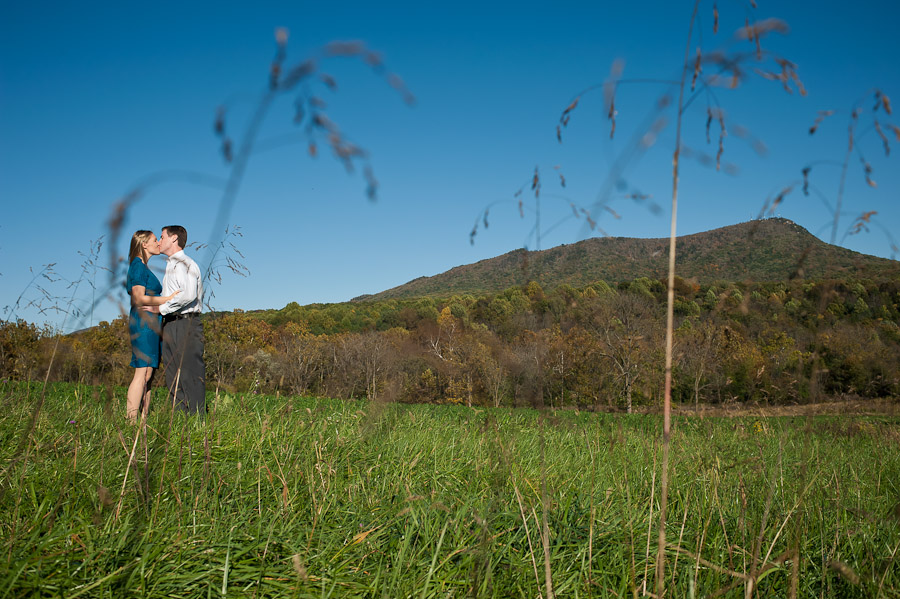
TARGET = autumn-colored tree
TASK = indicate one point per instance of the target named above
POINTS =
(698, 345)
(491, 372)
(301, 358)
(626, 324)
(526, 364)
(20, 349)
(363, 362)
(108, 348)
(232, 341)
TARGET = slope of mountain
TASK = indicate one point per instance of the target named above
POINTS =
(762, 250)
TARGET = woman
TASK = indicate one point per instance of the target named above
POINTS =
(144, 321)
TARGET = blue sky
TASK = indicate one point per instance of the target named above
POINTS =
(96, 97)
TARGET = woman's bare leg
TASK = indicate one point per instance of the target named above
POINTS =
(136, 391)
(145, 404)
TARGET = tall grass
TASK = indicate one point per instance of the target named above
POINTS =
(311, 497)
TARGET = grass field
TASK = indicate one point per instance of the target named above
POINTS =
(301, 497)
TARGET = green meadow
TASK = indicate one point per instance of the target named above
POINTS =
(301, 497)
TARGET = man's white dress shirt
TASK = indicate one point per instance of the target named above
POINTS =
(184, 274)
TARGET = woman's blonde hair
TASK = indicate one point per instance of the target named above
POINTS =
(137, 245)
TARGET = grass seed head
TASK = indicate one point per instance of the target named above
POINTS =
(882, 100)
(760, 28)
(896, 130)
(697, 69)
(844, 570)
(884, 139)
(219, 125)
(345, 48)
(299, 568)
(105, 497)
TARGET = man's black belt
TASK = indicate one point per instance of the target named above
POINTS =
(171, 317)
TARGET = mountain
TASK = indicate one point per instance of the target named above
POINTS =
(772, 249)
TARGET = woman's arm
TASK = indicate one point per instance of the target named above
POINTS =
(140, 298)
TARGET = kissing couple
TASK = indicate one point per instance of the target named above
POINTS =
(164, 321)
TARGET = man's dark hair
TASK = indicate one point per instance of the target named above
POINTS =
(179, 232)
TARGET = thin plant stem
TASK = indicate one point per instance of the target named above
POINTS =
(670, 327)
(545, 529)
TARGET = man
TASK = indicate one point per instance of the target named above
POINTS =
(182, 338)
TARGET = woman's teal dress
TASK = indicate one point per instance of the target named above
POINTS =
(145, 327)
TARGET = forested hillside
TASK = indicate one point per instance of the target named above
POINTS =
(595, 346)
(773, 249)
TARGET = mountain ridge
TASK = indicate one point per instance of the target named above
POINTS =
(770, 249)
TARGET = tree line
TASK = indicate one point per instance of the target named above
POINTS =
(597, 346)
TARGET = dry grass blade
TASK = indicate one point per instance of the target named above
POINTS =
(650, 522)
(545, 508)
(707, 563)
(887, 568)
(518, 494)
(137, 436)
